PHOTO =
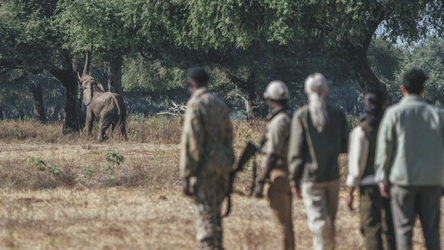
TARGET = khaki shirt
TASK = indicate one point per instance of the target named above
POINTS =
(410, 144)
(313, 156)
(277, 133)
(206, 144)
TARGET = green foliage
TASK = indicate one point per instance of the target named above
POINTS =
(352, 20)
(114, 160)
(54, 170)
(16, 96)
(41, 166)
(244, 44)
(37, 163)
(95, 24)
(29, 37)
(385, 58)
(140, 74)
(428, 55)
(87, 173)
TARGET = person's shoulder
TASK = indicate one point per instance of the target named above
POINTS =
(283, 115)
(281, 120)
(395, 108)
(333, 109)
(301, 111)
(335, 112)
(357, 131)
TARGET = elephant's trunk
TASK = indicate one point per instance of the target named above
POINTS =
(87, 63)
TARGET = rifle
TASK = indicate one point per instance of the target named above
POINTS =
(249, 151)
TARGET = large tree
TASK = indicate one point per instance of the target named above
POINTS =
(100, 26)
(32, 41)
(349, 26)
(428, 55)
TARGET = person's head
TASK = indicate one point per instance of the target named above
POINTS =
(413, 82)
(316, 84)
(276, 94)
(375, 102)
(316, 88)
(197, 77)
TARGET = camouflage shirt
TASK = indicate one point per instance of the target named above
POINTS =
(206, 146)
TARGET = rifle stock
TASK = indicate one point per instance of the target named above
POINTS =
(249, 151)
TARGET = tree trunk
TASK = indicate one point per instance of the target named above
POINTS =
(356, 54)
(21, 114)
(39, 110)
(7, 112)
(254, 105)
(69, 79)
(1, 113)
(115, 75)
(56, 113)
(363, 72)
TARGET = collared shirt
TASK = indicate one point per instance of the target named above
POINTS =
(206, 144)
(313, 155)
(358, 148)
(276, 137)
(410, 144)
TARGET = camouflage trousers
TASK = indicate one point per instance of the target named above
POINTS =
(208, 197)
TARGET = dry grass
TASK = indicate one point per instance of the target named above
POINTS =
(137, 206)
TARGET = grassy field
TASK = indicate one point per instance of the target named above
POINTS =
(69, 192)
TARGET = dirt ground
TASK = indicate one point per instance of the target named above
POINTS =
(138, 206)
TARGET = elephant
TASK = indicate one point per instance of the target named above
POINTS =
(108, 107)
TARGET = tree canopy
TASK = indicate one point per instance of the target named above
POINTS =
(243, 43)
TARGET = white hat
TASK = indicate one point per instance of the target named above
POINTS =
(276, 90)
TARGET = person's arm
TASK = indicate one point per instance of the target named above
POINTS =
(345, 133)
(270, 163)
(357, 160)
(297, 147)
(357, 156)
(350, 198)
(276, 136)
(441, 116)
(385, 150)
(192, 145)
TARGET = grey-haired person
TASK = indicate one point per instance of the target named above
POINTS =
(319, 133)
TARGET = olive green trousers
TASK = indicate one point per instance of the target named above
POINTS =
(278, 193)
(376, 219)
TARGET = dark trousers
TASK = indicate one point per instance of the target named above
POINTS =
(407, 202)
(376, 219)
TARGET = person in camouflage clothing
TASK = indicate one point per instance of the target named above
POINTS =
(274, 163)
(207, 155)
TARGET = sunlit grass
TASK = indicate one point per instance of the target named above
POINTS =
(72, 201)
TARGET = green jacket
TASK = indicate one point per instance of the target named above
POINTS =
(410, 144)
(313, 156)
(206, 145)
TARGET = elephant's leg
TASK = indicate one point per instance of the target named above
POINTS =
(89, 122)
(103, 126)
(113, 126)
(123, 129)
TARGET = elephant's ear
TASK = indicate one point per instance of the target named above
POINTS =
(87, 94)
(100, 87)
